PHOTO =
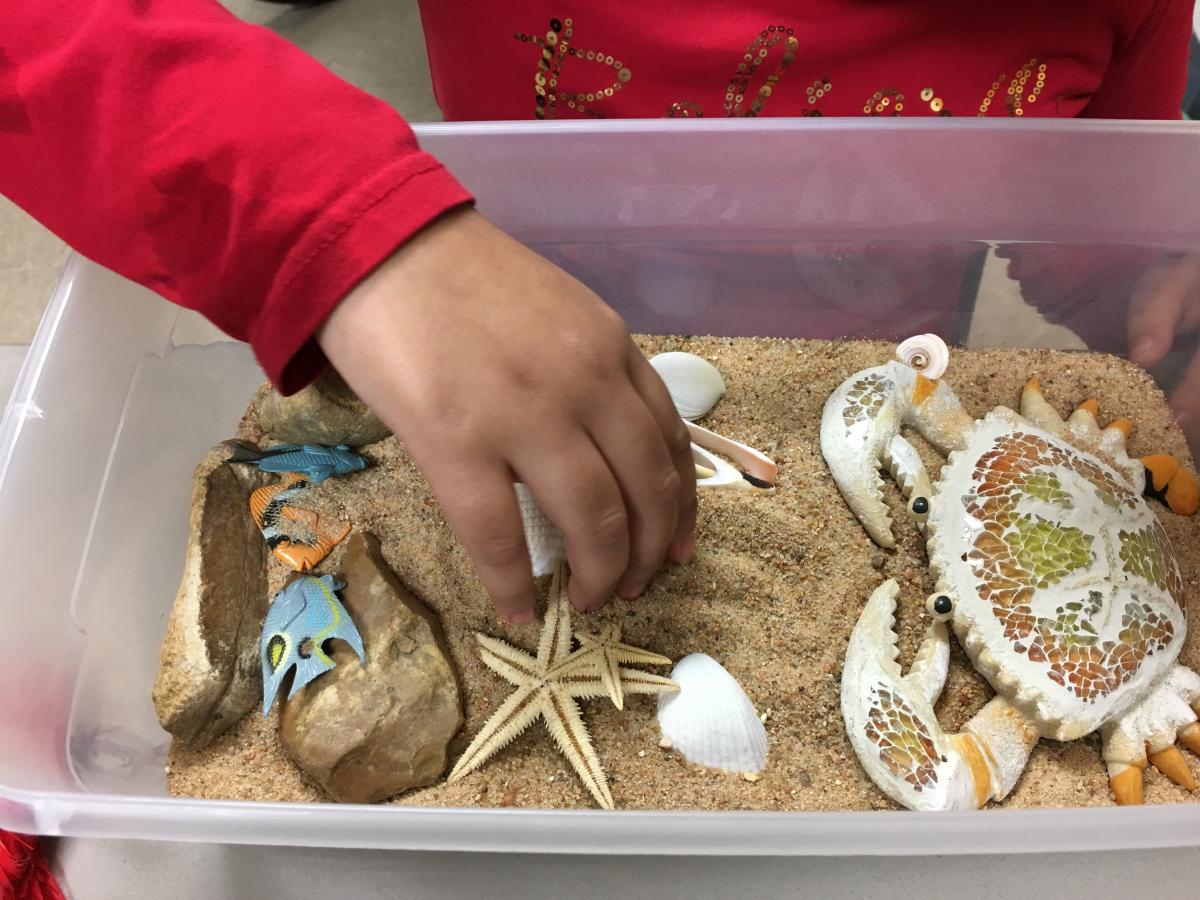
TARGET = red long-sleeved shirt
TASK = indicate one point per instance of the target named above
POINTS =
(215, 163)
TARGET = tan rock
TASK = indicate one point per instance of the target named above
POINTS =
(367, 732)
(325, 412)
(209, 674)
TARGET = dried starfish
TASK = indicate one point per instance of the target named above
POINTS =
(604, 653)
(548, 685)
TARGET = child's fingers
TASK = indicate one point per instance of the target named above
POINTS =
(629, 438)
(679, 445)
(480, 504)
(574, 486)
(1163, 303)
(1185, 403)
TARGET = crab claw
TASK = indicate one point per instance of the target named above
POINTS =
(895, 732)
(859, 421)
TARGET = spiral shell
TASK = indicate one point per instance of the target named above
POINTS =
(694, 383)
(711, 721)
(927, 353)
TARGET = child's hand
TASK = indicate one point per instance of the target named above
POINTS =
(1165, 304)
(493, 366)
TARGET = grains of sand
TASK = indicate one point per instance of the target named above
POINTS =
(775, 588)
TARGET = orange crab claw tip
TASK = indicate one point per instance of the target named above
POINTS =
(1171, 763)
(1183, 494)
(1172, 483)
(1162, 468)
(1189, 736)
(1127, 787)
(1033, 385)
(1122, 425)
(1090, 406)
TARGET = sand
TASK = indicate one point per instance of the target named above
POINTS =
(775, 588)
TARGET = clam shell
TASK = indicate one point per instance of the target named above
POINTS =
(927, 353)
(694, 383)
(543, 538)
(711, 721)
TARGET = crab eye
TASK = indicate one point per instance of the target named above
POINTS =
(920, 506)
(940, 606)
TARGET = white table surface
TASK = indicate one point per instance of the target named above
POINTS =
(111, 870)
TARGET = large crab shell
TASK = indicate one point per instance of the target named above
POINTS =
(1067, 596)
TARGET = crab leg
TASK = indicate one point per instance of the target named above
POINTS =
(859, 431)
(909, 473)
(1162, 474)
(895, 732)
(1146, 735)
(1173, 484)
(1038, 410)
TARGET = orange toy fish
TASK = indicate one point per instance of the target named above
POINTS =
(271, 504)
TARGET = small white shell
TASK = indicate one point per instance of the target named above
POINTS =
(543, 538)
(927, 353)
(694, 383)
(711, 721)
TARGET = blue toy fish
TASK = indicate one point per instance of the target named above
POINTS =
(313, 461)
(302, 617)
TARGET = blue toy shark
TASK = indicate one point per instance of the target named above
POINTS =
(313, 462)
(302, 617)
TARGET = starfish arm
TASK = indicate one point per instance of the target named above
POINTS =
(583, 683)
(554, 645)
(579, 661)
(516, 714)
(588, 663)
(610, 674)
(637, 656)
(610, 642)
(571, 735)
(515, 666)
(591, 672)
(635, 681)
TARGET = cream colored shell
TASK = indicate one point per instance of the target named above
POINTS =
(711, 721)
(695, 384)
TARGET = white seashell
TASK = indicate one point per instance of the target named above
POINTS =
(695, 384)
(545, 541)
(927, 353)
(711, 721)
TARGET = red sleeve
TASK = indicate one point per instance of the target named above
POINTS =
(1148, 73)
(209, 160)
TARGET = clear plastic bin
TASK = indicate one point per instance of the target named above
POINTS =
(753, 227)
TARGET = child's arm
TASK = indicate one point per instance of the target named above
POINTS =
(209, 160)
(215, 163)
